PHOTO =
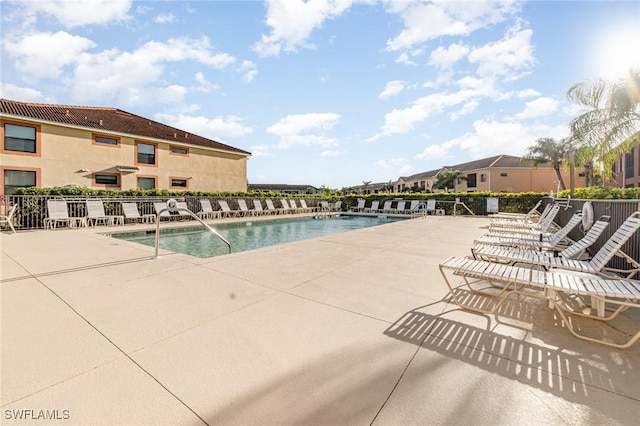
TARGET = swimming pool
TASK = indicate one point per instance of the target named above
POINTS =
(198, 241)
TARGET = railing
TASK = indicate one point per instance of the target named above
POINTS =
(33, 208)
(171, 206)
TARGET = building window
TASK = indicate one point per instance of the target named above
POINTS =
(472, 180)
(146, 153)
(106, 140)
(146, 182)
(106, 180)
(177, 150)
(19, 138)
(14, 179)
(628, 165)
(503, 174)
(181, 183)
(483, 177)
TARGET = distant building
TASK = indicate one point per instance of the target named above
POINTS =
(46, 145)
(500, 173)
(627, 168)
(284, 188)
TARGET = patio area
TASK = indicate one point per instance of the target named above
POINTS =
(348, 329)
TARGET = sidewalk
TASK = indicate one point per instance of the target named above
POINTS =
(349, 329)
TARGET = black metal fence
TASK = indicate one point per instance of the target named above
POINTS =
(618, 210)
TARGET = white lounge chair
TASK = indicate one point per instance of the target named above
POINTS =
(373, 208)
(96, 214)
(400, 207)
(226, 210)
(132, 214)
(558, 236)
(518, 216)
(596, 265)
(244, 210)
(158, 207)
(182, 214)
(207, 211)
(337, 206)
(58, 214)
(386, 208)
(306, 208)
(294, 206)
(554, 242)
(257, 208)
(271, 208)
(431, 206)
(543, 225)
(285, 206)
(360, 206)
(8, 219)
(553, 286)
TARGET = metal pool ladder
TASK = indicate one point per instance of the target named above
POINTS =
(171, 207)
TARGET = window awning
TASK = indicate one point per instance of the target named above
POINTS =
(127, 169)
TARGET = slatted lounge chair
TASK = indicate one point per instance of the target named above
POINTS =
(306, 208)
(400, 207)
(132, 214)
(271, 208)
(559, 236)
(596, 265)
(506, 221)
(96, 214)
(59, 215)
(517, 216)
(244, 210)
(431, 206)
(555, 242)
(553, 286)
(285, 206)
(373, 208)
(158, 207)
(324, 206)
(257, 208)
(226, 211)
(414, 205)
(294, 206)
(207, 211)
(386, 208)
(337, 206)
(181, 213)
(360, 206)
(543, 225)
(8, 219)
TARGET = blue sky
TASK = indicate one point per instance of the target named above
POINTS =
(326, 92)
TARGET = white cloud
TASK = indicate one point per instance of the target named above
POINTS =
(400, 121)
(292, 22)
(260, 150)
(77, 13)
(23, 94)
(44, 55)
(305, 130)
(427, 21)
(331, 153)
(392, 88)
(217, 128)
(513, 52)
(490, 137)
(204, 85)
(446, 57)
(111, 74)
(165, 18)
(250, 70)
(538, 108)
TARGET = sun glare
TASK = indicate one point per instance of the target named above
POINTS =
(617, 53)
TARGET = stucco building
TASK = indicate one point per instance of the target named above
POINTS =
(627, 169)
(48, 145)
(500, 173)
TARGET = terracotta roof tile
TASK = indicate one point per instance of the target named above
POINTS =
(109, 120)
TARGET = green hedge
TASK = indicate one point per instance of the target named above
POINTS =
(606, 193)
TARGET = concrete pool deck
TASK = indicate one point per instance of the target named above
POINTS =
(348, 329)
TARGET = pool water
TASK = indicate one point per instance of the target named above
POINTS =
(198, 241)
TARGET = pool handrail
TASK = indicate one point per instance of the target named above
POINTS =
(182, 209)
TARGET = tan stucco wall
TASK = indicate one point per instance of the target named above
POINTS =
(520, 180)
(66, 152)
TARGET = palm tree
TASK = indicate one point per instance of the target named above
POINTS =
(548, 150)
(612, 120)
(446, 179)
